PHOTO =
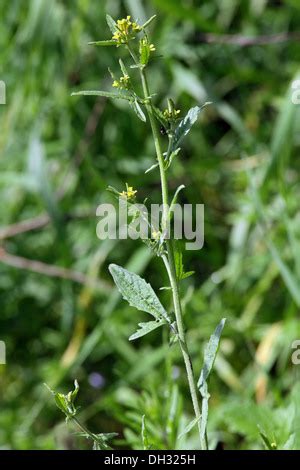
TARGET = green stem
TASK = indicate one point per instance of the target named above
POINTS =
(160, 159)
(182, 339)
(83, 428)
(171, 261)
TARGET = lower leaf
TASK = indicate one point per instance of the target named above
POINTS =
(146, 328)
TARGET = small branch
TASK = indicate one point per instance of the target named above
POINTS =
(42, 220)
(36, 223)
(24, 226)
(51, 270)
(246, 41)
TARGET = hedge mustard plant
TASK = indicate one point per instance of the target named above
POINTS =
(135, 39)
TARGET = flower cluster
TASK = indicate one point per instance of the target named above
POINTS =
(171, 114)
(126, 30)
(129, 193)
(156, 235)
(123, 83)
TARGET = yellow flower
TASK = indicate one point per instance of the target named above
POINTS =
(116, 36)
(156, 235)
(125, 30)
(129, 193)
(171, 114)
(152, 47)
(123, 83)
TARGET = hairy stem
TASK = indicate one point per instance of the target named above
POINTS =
(83, 428)
(170, 262)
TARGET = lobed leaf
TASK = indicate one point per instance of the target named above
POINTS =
(185, 125)
(138, 292)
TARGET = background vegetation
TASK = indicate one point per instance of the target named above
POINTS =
(61, 318)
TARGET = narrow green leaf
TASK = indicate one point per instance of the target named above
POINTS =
(123, 67)
(174, 200)
(111, 24)
(136, 66)
(170, 157)
(179, 267)
(188, 428)
(151, 168)
(210, 353)
(178, 263)
(287, 275)
(282, 138)
(188, 274)
(138, 292)
(185, 125)
(106, 94)
(73, 394)
(145, 328)
(144, 433)
(138, 110)
(269, 445)
(109, 42)
(204, 413)
(148, 22)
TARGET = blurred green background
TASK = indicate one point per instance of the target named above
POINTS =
(61, 318)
